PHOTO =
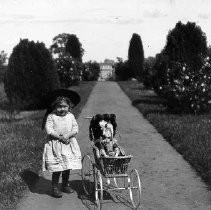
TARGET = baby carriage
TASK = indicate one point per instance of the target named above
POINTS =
(110, 172)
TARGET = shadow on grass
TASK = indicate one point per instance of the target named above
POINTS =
(147, 100)
(36, 183)
(150, 105)
(154, 105)
(136, 88)
(157, 111)
(29, 177)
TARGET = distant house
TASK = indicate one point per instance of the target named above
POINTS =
(106, 70)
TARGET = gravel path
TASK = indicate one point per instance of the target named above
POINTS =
(168, 181)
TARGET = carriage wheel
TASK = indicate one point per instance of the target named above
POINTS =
(135, 188)
(98, 190)
(87, 173)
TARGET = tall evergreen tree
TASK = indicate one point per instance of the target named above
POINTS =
(136, 55)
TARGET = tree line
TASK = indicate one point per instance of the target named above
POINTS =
(33, 70)
(180, 73)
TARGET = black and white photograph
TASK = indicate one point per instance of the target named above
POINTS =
(105, 104)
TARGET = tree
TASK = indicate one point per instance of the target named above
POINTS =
(91, 71)
(136, 55)
(186, 43)
(209, 51)
(160, 67)
(64, 51)
(69, 71)
(74, 47)
(58, 48)
(3, 58)
(122, 70)
(30, 75)
(148, 72)
(183, 70)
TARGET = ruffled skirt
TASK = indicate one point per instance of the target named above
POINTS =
(59, 157)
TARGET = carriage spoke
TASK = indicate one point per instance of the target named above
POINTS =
(87, 174)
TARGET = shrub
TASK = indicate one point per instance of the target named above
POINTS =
(3, 67)
(68, 70)
(187, 90)
(122, 70)
(184, 56)
(159, 69)
(30, 75)
(67, 51)
(148, 72)
(2, 72)
(3, 58)
(91, 71)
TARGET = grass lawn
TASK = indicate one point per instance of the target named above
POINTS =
(21, 146)
(189, 134)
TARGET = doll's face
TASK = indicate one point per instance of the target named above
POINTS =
(62, 108)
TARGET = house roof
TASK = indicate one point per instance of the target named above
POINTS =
(107, 62)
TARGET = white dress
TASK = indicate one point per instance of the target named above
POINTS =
(58, 156)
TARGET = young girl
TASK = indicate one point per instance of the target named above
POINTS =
(61, 152)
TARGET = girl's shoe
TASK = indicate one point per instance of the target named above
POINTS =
(67, 189)
(56, 192)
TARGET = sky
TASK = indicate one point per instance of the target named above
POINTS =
(104, 27)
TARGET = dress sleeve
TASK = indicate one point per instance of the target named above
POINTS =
(74, 126)
(49, 127)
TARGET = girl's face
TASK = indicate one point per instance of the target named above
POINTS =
(62, 109)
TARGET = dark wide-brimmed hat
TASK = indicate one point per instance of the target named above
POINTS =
(72, 95)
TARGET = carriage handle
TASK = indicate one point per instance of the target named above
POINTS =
(88, 118)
